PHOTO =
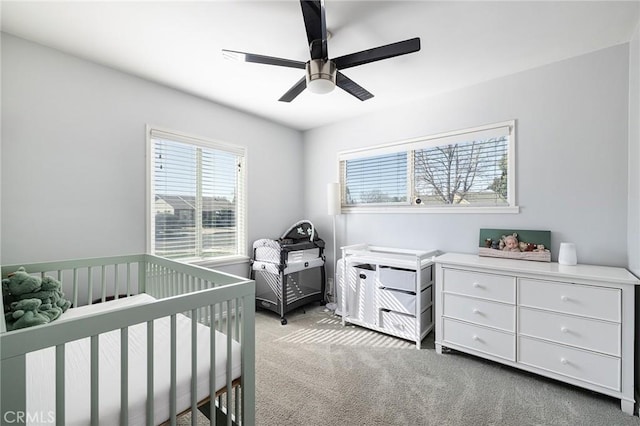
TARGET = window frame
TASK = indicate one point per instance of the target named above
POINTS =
(199, 141)
(440, 139)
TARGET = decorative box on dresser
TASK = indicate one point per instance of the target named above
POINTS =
(570, 323)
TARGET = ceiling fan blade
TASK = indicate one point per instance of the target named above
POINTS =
(378, 53)
(261, 59)
(316, 26)
(294, 91)
(351, 87)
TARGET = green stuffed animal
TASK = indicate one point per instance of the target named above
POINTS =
(25, 314)
(52, 311)
(20, 287)
(57, 296)
(19, 283)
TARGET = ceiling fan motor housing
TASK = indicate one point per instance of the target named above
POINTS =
(321, 75)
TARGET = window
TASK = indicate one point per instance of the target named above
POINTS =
(470, 170)
(196, 197)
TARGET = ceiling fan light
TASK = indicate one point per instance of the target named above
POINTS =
(321, 76)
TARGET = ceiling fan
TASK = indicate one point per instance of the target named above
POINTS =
(321, 73)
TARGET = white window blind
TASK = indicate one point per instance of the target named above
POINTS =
(197, 197)
(375, 180)
(466, 168)
(465, 173)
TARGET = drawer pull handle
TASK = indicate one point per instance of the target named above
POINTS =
(564, 361)
(564, 298)
(475, 337)
(476, 285)
(476, 311)
(564, 329)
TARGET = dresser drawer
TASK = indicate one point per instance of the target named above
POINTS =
(601, 370)
(584, 333)
(479, 311)
(403, 302)
(589, 301)
(487, 286)
(481, 339)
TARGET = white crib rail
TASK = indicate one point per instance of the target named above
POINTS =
(212, 297)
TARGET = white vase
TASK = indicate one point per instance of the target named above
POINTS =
(567, 254)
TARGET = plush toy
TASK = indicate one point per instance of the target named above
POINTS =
(57, 296)
(21, 287)
(25, 313)
(51, 311)
(17, 284)
(510, 242)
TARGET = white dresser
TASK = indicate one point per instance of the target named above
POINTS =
(570, 323)
(387, 289)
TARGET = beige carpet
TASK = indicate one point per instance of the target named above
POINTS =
(314, 371)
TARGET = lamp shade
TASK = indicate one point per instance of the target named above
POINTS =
(333, 198)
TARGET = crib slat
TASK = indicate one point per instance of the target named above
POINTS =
(103, 284)
(167, 282)
(14, 384)
(248, 356)
(128, 279)
(75, 287)
(194, 368)
(95, 397)
(60, 361)
(124, 376)
(212, 366)
(150, 408)
(228, 372)
(116, 289)
(173, 394)
(90, 284)
(236, 321)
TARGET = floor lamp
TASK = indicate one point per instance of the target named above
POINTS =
(333, 209)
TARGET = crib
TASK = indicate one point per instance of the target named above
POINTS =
(146, 340)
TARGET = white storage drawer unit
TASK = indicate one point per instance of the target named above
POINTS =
(393, 294)
(402, 279)
(401, 301)
(570, 323)
(403, 325)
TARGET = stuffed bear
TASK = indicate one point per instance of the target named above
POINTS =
(52, 311)
(20, 286)
(57, 296)
(25, 313)
(17, 284)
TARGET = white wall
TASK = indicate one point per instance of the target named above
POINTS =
(572, 125)
(73, 156)
(633, 240)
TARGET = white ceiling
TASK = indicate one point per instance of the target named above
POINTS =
(179, 44)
